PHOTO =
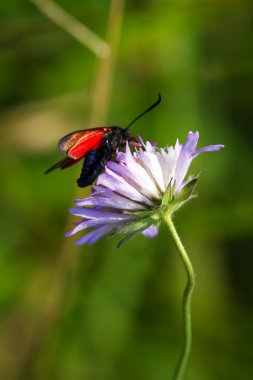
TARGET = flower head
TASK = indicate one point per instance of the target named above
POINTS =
(134, 193)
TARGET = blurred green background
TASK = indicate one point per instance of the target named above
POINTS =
(99, 313)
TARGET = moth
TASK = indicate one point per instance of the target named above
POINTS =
(96, 145)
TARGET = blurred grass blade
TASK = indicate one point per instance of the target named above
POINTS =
(74, 27)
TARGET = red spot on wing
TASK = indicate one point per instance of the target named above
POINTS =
(78, 143)
(85, 144)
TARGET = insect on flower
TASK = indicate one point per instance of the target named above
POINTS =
(96, 145)
(139, 190)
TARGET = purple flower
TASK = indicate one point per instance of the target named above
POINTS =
(134, 193)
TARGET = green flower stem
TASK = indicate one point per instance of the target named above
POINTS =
(179, 371)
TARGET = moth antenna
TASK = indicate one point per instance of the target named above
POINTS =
(146, 111)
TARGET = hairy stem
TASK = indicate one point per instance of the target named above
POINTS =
(180, 368)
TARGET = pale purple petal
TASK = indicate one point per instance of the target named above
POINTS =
(141, 175)
(98, 190)
(137, 177)
(110, 200)
(92, 236)
(121, 157)
(150, 232)
(129, 157)
(185, 158)
(82, 226)
(125, 173)
(168, 158)
(92, 213)
(209, 148)
(113, 182)
(149, 161)
(121, 198)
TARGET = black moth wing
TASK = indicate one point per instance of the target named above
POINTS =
(63, 164)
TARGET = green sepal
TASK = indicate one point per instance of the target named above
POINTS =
(131, 229)
(168, 196)
(130, 235)
(144, 214)
(186, 191)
